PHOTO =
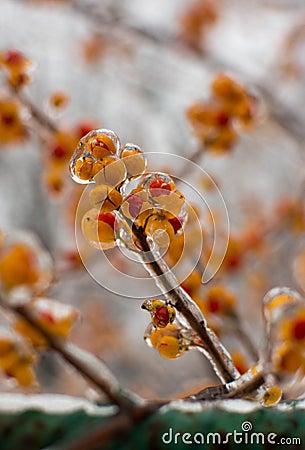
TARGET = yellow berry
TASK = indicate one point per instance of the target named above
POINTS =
(172, 202)
(288, 358)
(6, 345)
(9, 360)
(98, 227)
(55, 317)
(110, 171)
(169, 347)
(170, 330)
(159, 228)
(27, 330)
(105, 198)
(18, 267)
(272, 396)
(101, 145)
(84, 169)
(24, 374)
(134, 161)
(279, 301)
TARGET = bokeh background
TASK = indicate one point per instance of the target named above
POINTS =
(127, 66)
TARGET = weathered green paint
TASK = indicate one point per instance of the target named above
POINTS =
(35, 430)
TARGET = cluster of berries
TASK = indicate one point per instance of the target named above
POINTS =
(162, 334)
(124, 197)
(217, 122)
(26, 274)
(17, 68)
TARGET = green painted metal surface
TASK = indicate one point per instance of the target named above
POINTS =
(37, 429)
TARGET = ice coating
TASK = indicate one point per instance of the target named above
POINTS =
(92, 153)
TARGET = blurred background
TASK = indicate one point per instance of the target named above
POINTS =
(136, 67)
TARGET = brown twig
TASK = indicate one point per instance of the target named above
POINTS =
(217, 354)
(237, 389)
(240, 331)
(37, 114)
(285, 118)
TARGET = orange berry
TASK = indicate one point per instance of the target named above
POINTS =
(134, 160)
(59, 99)
(272, 396)
(101, 146)
(24, 374)
(169, 347)
(98, 227)
(84, 169)
(105, 198)
(25, 329)
(18, 267)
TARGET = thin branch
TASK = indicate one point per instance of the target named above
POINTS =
(236, 389)
(240, 331)
(249, 387)
(216, 353)
(284, 117)
(89, 366)
(37, 114)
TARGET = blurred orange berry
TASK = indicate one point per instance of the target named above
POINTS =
(197, 18)
(240, 362)
(16, 66)
(59, 99)
(293, 328)
(18, 266)
(12, 125)
(218, 300)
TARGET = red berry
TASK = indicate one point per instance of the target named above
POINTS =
(7, 119)
(72, 257)
(299, 329)
(161, 317)
(107, 217)
(159, 187)
(234, 262)
(175, 223)
(222, 119)
(214, 305)
(58, 151)
(187, 289)
(135, 205)
(84, 128)
(14, 57)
